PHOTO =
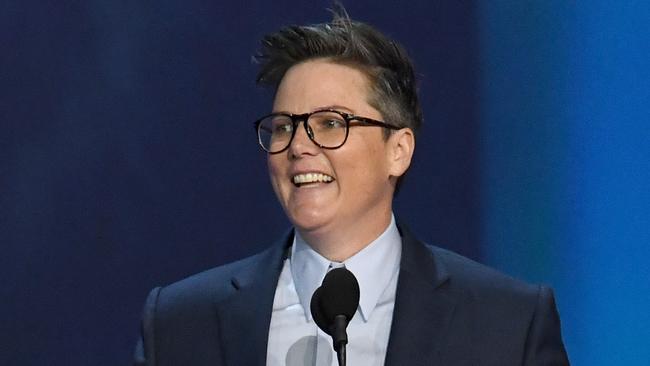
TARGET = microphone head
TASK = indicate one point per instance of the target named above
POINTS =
(338, 295)
(317, 313)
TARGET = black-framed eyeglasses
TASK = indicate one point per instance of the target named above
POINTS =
(327, 128)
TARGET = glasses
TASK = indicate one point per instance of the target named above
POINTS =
(327, 128)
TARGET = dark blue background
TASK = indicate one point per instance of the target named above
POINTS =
(129, 158)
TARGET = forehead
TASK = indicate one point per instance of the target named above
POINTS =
(320, 83)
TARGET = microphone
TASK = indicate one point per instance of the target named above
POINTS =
(333, 305)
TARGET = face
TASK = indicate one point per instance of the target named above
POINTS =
(350, 188)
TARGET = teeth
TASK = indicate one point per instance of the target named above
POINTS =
(311, 178)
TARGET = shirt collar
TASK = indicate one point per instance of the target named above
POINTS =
(373, 267)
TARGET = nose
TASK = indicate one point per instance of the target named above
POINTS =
(302, 144)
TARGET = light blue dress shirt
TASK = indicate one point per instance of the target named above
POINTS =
(294, 338)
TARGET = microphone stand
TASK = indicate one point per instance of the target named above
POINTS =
(340, 337)
(340, 354)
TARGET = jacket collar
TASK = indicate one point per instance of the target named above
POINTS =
(424, 306)
(245, 315)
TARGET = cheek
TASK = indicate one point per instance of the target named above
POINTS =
(371, 152)
(276, 171)
(362, 171)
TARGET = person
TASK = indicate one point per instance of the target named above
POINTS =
(340, 138)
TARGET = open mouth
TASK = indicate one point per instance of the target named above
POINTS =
(310, 178)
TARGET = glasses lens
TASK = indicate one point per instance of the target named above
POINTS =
(274, 132)
(328, 128)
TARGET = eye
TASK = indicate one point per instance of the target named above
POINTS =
(285, 127)
(327, 121)
(333, 123)
(281, 126)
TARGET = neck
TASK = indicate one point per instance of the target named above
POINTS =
(341, 243)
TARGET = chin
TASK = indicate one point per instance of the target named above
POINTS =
(309, 222)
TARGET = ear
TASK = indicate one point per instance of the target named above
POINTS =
(401, 145)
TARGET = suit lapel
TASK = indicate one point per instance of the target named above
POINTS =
(244, 317)
(423, 306)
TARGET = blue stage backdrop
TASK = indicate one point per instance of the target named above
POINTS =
(565, 164)
(128, 158)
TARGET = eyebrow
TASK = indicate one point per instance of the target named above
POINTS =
(323, 108)
(336, 107)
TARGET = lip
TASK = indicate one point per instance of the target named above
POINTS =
(295, 172)
(309, 171)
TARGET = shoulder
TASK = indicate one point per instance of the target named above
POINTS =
(218, 283)
(471, 275)
(440, 266)
(215, 279)
(185, 315)
(510, 315)
(494, 292)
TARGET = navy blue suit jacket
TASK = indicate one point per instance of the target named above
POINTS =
(449, 310)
